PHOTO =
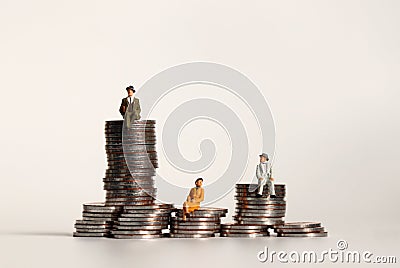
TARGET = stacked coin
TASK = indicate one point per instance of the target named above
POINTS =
(132, 159)
(301, 229)
(143, 221)
(259, 210)
(97, 220)
(201, 223)
(243, 230)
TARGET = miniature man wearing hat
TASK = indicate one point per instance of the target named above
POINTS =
(263, 174)
(130, 106)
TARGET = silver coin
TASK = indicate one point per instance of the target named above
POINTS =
(299, 230)
(157, 219)
(130, 203)
(98, 215)
(259, 203)
(89, 226)
(153, 206)
(317, 234)
(139, 227)
(144, 215)
(192, 227)
(209, 219)
(266, 214)
(194, 223)
(88, 230)
(291, 225)
(242, 227)
(268, 222)
(141, 223)
(245, 232)
(144, 236)
(93, 222)
(98, 218)
(257, 207)
(101, 207)
(134, 232)
(257, 217)
(205, 232)
(77, 234)
(141, 180)
(244, 235)
(198, 215)
(191, 235)
(147, 211)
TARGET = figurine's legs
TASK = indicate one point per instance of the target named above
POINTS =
(261, 184)
(271, 187)
(184, 210)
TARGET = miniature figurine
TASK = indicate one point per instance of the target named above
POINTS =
(194, 198)
(263, 174)
(130, 106)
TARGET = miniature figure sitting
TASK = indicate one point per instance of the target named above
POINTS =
(194, 198)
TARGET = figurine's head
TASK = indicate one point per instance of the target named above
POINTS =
(263, 157)
(130, 90)
(199, 182)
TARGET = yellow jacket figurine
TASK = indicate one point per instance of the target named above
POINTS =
(196, 195)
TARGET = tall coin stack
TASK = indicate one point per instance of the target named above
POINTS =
(201, 223)
(259, 211)
(129, 176)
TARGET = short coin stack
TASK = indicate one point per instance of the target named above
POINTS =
(301, 229)
(243, 230)
(97, 220)
(132, 159)
(201, 223)
(263, 210)
(144, 221)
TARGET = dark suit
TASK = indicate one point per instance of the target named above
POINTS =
(134, 110)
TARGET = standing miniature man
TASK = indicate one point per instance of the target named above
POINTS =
(130, 106)
(194, 198)
(263, 174)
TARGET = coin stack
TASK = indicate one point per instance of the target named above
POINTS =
(97, 220)
(259, 210)
(142, 221)
(300, 229)
(243, 230)
(132, 159)
(201, 223)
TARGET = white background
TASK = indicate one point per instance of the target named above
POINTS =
(329, 70)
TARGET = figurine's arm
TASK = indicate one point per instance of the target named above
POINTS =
(122, 108)
(138, 110)
(201, 197)
(258, 174)
(268, 170)
(190, 196)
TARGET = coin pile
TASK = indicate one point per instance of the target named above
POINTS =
(201, 223)
(259, 210)
(300, 229)
(243, 230)
(142, 221)
(97, 220)
(132, 159)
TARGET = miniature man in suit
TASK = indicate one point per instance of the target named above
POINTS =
(263, 174)
(130, 106)
(194, 198)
